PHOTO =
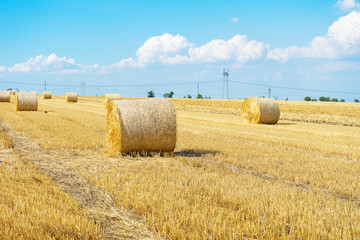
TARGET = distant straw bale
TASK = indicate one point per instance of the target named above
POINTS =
(46, 95)
(147, 125)
(26, 101)
(260, 110)
(5, 96)
(109, 97)
(71, 97)
(36, 93)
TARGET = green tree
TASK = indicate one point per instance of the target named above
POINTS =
(189, 96)
(314, 100)
(307, 98)
(286, 99)
(151, 94)
(342, 100)
(356, 100)
(199, 96)
(169, 95)
(324, 99)
(9, 89)
(334, 100)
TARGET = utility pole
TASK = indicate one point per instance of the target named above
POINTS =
(45, 86)
(197, 90)
(84, 89)
(225, 79)
(269, 92)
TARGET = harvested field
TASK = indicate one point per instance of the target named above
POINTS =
(297, 179)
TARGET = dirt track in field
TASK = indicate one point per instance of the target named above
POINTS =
(117, 223)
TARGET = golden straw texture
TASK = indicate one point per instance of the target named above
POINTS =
(71, 97)
(34, 92)
(26, 101)
(46, 95)
(13, 92)
(5, 96)
(260, 110)
(109, 97)
(147, 125)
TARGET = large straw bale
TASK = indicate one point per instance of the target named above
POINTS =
(110, 97)
(260, 110)
(71, 97)
(147, 125)
(5, 96)
(26, 101)
(46, 95)
(34, 92)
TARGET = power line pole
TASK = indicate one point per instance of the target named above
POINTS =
(197, 90)
(84, 88)
(225, 80)
(269, 92)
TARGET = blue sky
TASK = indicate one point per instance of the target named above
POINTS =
(131, 47)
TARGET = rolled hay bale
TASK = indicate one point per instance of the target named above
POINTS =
(71, 97)
(26, 101)
(46, 95)
(142, 126)
(110, 97)
(13, 92)
(260, 110)
(35, 92)
(5, 96)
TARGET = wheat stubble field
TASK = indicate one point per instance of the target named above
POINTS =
(298, 179)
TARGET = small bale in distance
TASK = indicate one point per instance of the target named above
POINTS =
(26, 101)
(147, 125)
(5, 96)
(260, 110)
(46, 95)
(36, 93)
(71, 97)
(110, 97)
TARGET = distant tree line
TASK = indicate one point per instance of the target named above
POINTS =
(326, 99)
(151, 94)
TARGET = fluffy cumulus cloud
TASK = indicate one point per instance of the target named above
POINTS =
(170, 49)
(346, 5)
(342, 38)
(51, 64)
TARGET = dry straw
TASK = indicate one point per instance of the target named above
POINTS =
(5, 96)
(13, 92)
(26, 101)
(71, 97)
(109, 97)
(34, 92)
(260, 110)
(147, 125)
(46, 95)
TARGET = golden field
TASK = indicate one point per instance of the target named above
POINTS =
(298, 179)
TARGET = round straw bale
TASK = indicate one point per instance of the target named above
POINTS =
(34, 92)
(46, 95)
(109, 97)
(147, 125)
(71, 97)
(13, 92)
(5, 96)
(26, 101)
(260, 110)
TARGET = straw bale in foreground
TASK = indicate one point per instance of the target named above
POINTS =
(46, 95)
(5, 96)
(13, 92)
(147, 125)
(26, 101)
(260, 110)
(110, 97)
(71, 97)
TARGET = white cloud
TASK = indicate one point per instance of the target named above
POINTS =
(346, 5)
(235, 19)
(52, 64)
(342, 38)
(170, 49)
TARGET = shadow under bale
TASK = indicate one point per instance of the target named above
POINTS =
(196, 153)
